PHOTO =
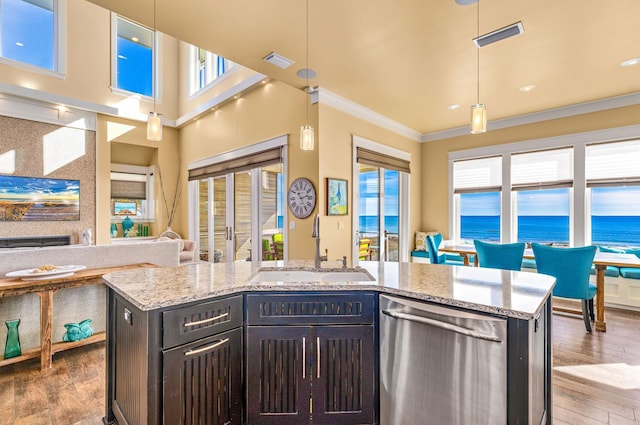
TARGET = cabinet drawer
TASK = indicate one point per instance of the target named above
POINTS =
(198, 321)
(310, 309)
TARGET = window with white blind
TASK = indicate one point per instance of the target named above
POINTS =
(613, 182)
(131, 190)
(477, 184)
(542, 181)
(542, 169)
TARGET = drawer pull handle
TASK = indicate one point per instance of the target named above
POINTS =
(318, 355)
(304, 358)
(201, 322)
(210, 347)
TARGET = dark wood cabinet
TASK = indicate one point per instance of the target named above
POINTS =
(309, 373)
(202, 381)
(175, 366)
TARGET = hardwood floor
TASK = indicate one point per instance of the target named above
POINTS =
(596, 379)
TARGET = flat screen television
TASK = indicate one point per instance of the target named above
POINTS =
(39, 199)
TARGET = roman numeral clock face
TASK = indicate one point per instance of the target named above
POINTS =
(301, 198)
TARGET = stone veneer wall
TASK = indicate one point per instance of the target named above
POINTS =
(37, 149)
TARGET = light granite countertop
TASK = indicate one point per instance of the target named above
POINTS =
(511, 294)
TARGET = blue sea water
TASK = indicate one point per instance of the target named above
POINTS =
(369, 224)
(606, 230)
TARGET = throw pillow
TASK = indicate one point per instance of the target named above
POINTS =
(421, 241)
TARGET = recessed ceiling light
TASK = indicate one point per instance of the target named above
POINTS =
(305, 73)
(630, 62)
(453, 106)
(528, 87)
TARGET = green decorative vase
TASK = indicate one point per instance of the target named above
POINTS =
(12, 347)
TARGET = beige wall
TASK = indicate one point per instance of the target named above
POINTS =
(88, 66)
(131, 133)
(336, 158)
(435, 196)
(276, 109)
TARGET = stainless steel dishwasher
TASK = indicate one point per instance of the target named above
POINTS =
(441, 366)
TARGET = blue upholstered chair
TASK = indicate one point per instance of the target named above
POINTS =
(433, 241)
(506, 256)
(570, 267)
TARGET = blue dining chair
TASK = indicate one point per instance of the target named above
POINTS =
(571, 268)
(433, 241)
(506, 256)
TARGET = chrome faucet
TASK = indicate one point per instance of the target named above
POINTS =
(316, 234)
(344, 261)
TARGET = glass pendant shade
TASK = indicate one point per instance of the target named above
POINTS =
(478, 118)
(306, 138)
(154, 127)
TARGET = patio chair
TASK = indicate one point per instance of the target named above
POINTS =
(570, 267)
(364, 253)
(506, 256)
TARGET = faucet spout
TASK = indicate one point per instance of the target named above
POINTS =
(316, 234)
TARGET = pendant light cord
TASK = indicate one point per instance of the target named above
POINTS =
(153, 68)
(478, 46)
(307, 41)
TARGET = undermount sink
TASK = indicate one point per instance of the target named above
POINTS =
(292, 275)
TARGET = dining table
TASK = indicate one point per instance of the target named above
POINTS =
(601, 260)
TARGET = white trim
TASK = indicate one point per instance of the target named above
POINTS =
(547, 115)
(47, 112)
(361, 142)
(60, 37)
(345, 105)
(221, 98)
(237, 153)
(607, 135)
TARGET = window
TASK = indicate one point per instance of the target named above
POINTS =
(206, 67)
(542, 181)
(31, 33)
(613, 180)
(133, 52)
(477, 184)
(131, 190)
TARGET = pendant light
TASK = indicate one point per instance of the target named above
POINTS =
(478, 111)
(307, 136)
(154, 123)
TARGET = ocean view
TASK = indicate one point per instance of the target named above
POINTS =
(606, 230)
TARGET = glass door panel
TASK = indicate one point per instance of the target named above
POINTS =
(242, 215)
(203, 222)
(369, 212)
(220, 241)
(391, 214)
(272, 196)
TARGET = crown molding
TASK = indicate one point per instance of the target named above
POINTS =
(329, 98)
(549, 114)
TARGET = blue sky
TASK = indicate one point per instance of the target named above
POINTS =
(612, 201)
(369, 193)
(24, 27)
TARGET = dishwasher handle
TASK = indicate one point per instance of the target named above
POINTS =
(438, 324)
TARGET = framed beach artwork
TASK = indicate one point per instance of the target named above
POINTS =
(39, 199)
(337, 199)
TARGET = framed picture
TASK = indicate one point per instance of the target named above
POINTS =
(39, 199)
(125, 208)
(337, 199)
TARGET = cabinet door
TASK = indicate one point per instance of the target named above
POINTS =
(203, 381)
(278, 389)
(343, 385)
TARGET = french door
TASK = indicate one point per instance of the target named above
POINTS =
(232, 214)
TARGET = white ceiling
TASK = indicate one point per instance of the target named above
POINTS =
(410, 59)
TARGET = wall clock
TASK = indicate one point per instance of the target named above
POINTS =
(301, 197)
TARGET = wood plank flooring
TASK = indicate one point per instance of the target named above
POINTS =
(596, 379)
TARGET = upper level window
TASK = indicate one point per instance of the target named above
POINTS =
(613, 179)
(30, 33)
(206, 67)
(132, 191)
(477, 184)
(133, 51)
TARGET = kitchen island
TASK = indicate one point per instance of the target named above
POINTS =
(210, 327)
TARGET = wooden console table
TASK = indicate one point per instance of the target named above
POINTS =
(45, 289)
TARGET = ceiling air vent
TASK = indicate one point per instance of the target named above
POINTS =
(277, 60)
(497, 35)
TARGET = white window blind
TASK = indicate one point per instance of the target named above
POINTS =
(477, 175)
(543, 169)
(613, 164)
